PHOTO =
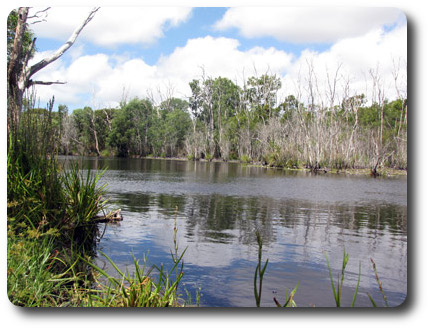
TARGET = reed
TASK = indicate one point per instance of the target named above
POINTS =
(338, 293)
(379, 285)
(84, 200)
(259, 271)
(48, 216)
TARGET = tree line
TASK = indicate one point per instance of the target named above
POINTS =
(225, 121)
(315, 128)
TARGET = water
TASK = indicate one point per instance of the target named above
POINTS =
(299, 215)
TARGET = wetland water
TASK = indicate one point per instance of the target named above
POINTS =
(300, 216)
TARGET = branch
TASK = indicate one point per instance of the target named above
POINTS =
(40, 65)
(38, 82)
(38, 15)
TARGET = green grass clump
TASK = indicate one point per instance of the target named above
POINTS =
(136, 290)
(29, 280)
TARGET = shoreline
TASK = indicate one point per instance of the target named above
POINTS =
(383, 172)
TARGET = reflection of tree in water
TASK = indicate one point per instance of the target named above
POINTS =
(224, 218)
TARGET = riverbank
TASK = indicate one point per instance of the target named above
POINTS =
(382, 172)
(52, 238)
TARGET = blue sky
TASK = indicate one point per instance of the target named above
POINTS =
(200, 24)
(149, 51)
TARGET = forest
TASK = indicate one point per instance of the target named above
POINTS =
(224, 121)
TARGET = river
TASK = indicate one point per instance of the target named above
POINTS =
(301, 217)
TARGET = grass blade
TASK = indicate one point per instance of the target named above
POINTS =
(358, 283)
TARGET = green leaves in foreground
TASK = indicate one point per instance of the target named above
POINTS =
(289, 302)
(338, 293)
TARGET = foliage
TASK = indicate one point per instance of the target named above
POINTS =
(30, 282)
(137, 290)
(221, 120)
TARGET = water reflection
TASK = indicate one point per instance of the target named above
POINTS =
(213, 215)
(300, 216)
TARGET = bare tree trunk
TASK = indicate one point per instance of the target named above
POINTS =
(378, 92)
(19, 76)
(13, 71)
(93, 128)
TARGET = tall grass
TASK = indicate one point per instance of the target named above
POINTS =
(49, 215)
(379, 285)
(29, 279)
(338, 293)
(139, 289)
(84, 200)
(51, 232)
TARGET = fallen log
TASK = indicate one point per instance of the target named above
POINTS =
(110, 217)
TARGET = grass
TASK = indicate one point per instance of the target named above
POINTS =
(336, 288)
(259, 275)
(51, 235)
(338, 293)
(259, 271)
(30, 283)
(136, 290)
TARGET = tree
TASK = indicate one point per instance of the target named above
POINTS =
(130, 128)
(261, 93)
(213, 102)
(169, 130)
(19, 74)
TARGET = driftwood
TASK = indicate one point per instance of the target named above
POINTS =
(110, 217)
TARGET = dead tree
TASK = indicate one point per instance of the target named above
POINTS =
(19, 73)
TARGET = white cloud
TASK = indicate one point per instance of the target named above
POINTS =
(307, 24)
(376, 50)
(112, 25)
(104, 77)
(222, 57)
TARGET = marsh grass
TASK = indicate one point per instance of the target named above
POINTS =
(29, 279)
(137, 289)
(83, 201)
(49, 215)
(379, 285)
(337, 293)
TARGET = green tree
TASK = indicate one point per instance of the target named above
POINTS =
(130, 127)
(261, 93)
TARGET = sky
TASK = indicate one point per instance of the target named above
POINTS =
(154, 52)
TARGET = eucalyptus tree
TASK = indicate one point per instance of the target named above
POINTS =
(19, 73)
(213, 102)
